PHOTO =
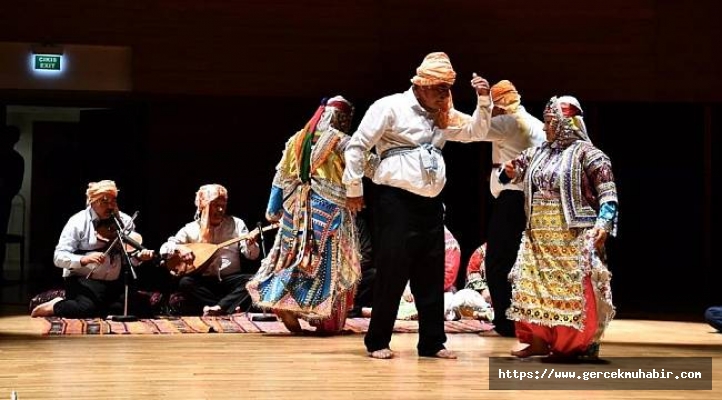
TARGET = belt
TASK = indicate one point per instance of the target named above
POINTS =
(404, 149)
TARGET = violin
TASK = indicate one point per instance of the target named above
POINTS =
(106, 232)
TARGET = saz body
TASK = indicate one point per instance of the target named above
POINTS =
(204, 251)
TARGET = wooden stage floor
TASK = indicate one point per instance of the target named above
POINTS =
(250, 366)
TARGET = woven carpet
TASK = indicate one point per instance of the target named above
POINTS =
(238, 323)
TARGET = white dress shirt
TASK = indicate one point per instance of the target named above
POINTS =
(227, 260)
(510, 134)
(80, 237)
(399, 121)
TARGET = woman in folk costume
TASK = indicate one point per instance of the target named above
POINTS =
(561, 297)
(313, 268)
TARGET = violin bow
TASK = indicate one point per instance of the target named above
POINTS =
(112, 244)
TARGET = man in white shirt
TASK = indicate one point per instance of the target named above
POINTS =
(409, 130)
(91, 266)
(220, 288)
(513, 130)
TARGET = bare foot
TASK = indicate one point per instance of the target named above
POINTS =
(290, 321)
(531, 350)
(45, 309)
(383, 354)
(214, 311)
(446, 354)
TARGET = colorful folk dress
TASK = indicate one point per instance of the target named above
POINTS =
(313, 268)
(560, 282)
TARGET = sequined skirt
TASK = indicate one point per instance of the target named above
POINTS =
(547, 278)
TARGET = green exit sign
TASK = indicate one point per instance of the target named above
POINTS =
(47, 62)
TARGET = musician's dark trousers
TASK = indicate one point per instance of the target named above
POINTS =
(506, 227)
(89, 298)
(228, 293)
(408, 245)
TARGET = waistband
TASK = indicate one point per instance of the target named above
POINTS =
(406, 149)
(546, 195)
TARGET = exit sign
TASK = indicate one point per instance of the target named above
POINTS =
(47, 62)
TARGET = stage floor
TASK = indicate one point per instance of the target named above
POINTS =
(280, 366)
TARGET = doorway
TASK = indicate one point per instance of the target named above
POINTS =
(65, 149)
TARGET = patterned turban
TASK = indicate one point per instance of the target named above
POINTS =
(96, 191)
(436, 69)
(505, 96)
(205, 195)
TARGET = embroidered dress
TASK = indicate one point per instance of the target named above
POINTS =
(313, 268)
(560, 282)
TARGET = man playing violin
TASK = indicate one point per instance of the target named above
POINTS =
(217, 288)
(90, 259)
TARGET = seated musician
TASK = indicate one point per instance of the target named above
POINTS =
(90, 261)
(219, 286)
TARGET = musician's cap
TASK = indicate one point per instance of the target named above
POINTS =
(207, 193)
(96, 191)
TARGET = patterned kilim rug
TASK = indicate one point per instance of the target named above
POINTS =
(238, 323)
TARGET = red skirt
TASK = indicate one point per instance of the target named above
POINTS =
(335, 323)
(565, 340)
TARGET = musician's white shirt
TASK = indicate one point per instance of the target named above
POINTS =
(79, 237)
(227, 260)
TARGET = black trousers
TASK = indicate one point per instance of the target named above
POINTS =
(408, 245)
(209, 291)
(90, 298)
(506, 226)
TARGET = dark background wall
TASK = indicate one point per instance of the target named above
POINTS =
(219, 86)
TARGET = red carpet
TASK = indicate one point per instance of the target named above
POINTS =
(238, 323)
